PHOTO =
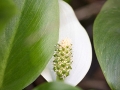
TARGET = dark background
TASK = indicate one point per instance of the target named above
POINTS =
(86, 12)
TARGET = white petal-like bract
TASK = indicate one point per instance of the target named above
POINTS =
(81, 46)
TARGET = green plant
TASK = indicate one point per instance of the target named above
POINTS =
(29, 30)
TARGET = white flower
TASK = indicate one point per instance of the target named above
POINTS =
(81, 47)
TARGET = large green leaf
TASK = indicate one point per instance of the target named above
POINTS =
(7, 10)
(107, 42)
(27, 43)
(56, 86)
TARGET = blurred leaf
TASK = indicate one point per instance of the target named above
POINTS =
(107, 42)
(27, 43)
(7, 10)
(56, 86)
(68, 1)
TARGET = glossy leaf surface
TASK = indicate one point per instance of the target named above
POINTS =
(107, 42)
(27, 43)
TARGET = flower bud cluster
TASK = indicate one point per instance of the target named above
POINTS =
(62, 59)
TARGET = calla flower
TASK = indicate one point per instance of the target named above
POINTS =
(81, 47)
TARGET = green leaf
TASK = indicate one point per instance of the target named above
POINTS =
(107, 42)
(56, 86)
(7, 10)
(27, 43)
(68, 1)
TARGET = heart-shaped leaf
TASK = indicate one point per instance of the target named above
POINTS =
(107, 42)
(56, 86)
(27, 43)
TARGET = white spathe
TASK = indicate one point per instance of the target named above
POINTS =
(81, 46)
